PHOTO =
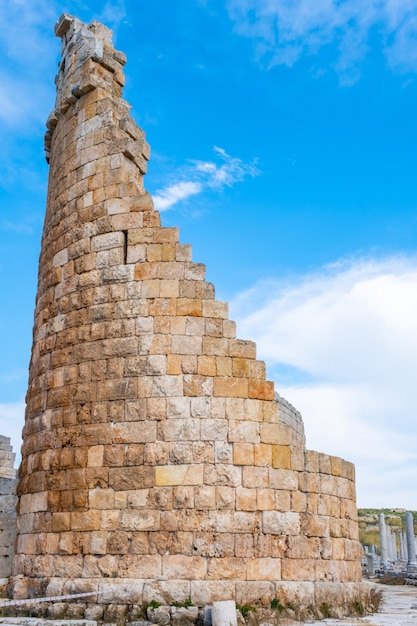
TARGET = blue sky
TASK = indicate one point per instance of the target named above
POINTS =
(283, 140)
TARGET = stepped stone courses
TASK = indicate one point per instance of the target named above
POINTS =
(157, 463)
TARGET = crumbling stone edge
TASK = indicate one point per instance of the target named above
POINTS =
(332, 600)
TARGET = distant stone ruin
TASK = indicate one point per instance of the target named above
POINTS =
(157, 464)
(8, 501)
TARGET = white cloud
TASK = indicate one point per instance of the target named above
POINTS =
(284, 31)
(28, 50)
(166, 198)
(199, 176)
(12, 417)
(350, 330)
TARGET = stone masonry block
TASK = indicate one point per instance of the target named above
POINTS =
(281, 457)
(277, 523)
(276, 434)
(179, 475)
(230, 387)
(245, 432)
(243, 453)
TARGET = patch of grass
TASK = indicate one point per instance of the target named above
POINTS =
(245, 609)
(183, 605)
(276, 604)
(376, 599)
(154, 604)
(325, 609)
(358, 607)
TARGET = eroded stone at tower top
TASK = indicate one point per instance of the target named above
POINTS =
(157, 463)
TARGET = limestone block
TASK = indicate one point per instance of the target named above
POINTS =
(101, 499)
(261, 389)
(325, 466)
(298, 501)
(283, 479)
(244, 545)
(205, 497)
(276, 434)
(183, 567)
(262, 454)
(207, 366)
(123, 479)
(95, 456)
(179, 407)
(236, 522)
(265, 499)
(107, 241)
(224, 475)
(209, 591)
(223, 452)
(61, 522)
(98, 542)
(186, 344)
(315, 525)
(180, 429)
(240, 367)
(85, 520)
(281, 457)
(181, 452)
(179, 475)
(298, 570)
(242, 431)
(232, 568)
(328, 484)
(243, 453)
(254, 410)
(308, 482)
(253, 477)
(245, 499)
(223, 365)
(235, 408)
(135, 432)
(304, 548)
(224, 613)
(38, 501)
(201, 407)
(225, 497)
(278, 523)
(167, 591)
(198, 385)
(227, 386)
(264, 569)
(138, 520)
(214, 429)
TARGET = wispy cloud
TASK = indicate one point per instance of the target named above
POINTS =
(284, 31)
(114, 11)
(28, 53)
(166, 198)
(198, 176)
(350, 330)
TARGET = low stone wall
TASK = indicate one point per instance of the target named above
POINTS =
(8, 501)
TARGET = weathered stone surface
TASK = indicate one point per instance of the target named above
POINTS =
(158, 463)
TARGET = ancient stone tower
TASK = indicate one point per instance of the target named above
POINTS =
(157, 462)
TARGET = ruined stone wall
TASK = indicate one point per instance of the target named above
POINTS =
(8, 501)
(156, 462)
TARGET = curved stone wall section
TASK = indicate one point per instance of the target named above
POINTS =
(293, 418)
(156, 461)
